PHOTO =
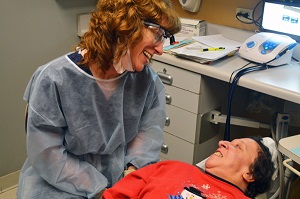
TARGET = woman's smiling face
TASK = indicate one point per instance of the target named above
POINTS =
(232, 158)
(143, 51)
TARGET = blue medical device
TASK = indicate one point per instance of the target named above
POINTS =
(270, 48)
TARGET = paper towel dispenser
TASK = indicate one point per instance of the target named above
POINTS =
(190, 5)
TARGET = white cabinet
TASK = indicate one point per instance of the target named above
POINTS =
(187, 137)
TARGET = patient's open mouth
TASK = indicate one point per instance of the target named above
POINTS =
(219, 154)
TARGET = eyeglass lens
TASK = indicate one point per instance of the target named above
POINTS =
(159, 35)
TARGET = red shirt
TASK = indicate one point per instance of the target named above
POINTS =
(167, 179)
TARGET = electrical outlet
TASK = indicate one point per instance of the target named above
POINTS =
(244, 11)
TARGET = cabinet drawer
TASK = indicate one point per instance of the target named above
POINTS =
(177, 149)
(182, 98)
(177, 77)
(181, 123)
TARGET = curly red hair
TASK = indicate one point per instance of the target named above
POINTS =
(119, 24)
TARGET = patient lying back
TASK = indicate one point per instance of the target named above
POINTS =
(239, 169)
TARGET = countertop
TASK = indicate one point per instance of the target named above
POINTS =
(282, 82)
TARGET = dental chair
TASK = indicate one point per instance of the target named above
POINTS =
(290, 149)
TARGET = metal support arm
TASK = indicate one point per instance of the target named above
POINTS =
(216, 117)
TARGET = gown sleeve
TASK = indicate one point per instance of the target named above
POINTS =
(145, 148)
(47, 154)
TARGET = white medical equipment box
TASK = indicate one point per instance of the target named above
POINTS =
(192, 28)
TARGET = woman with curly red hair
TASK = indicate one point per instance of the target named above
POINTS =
(99, 110)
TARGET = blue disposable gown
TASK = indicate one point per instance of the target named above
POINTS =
(82, 131)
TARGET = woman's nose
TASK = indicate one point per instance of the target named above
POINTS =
(224, 144)
(159, 48)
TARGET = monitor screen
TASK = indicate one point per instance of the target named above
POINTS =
(282, 18)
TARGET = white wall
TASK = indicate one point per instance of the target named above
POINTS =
(32, 32)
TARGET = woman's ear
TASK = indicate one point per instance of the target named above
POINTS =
(248, 177)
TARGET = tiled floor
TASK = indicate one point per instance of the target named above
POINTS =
(9, 194)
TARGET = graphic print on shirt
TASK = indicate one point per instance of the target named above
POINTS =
(211, 193)
(189, 193)
(193, 193)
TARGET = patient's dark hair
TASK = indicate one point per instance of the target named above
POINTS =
(262, 170)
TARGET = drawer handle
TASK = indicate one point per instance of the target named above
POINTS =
(164, 149)
(165, 78)
(167, 122)
(168, 99)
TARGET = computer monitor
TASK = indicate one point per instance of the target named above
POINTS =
(282, 17)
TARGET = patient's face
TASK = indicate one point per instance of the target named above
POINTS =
(232, 158)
